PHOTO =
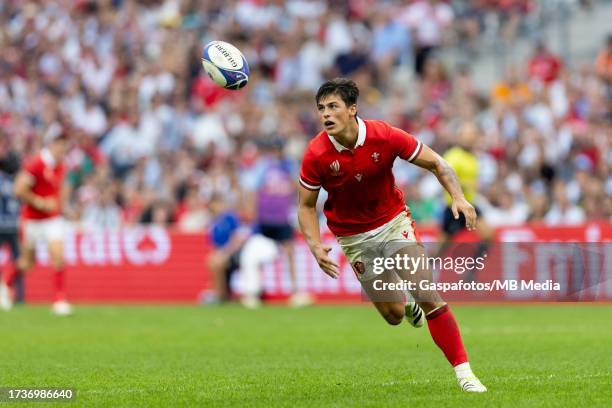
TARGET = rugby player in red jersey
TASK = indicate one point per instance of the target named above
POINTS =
(40, 187)
(352, 159)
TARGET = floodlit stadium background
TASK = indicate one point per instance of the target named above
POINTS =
(155, 139)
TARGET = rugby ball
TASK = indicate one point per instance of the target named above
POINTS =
(225, 65)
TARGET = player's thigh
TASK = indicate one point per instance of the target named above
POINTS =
(27, 244)
(53, 232)
(388, 300)
(361, 256)
(417, 271)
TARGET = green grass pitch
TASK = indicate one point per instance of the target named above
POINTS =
(538, 355)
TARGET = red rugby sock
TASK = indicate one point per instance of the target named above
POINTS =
(59, 284)
(10, 273)
(445, 333)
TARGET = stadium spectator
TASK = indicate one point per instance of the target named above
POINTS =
(543, 67)
(603, 63)
(504, 211)
(512, 14)
(103, 212)
(228, 237)
(391, 42)
(429, 20)
(511, 90)
(563, 212)
(273, 194)
(471, 24)
(192, 215)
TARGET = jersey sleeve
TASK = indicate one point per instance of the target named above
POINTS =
(310, 175)
(33, 168)
(404, 145)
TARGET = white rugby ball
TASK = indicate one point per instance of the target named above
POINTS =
(225, 65)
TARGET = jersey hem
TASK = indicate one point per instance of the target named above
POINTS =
(368, 227)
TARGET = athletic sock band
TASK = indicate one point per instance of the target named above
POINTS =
(436, 312)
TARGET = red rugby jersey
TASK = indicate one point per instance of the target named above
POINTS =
(48, 178)
(361, 188)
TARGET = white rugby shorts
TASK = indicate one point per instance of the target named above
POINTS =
(48, 230)
(384, 241)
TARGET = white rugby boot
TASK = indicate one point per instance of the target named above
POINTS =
(6, 301)
(471, 384)
(414, 313)
(61, 308)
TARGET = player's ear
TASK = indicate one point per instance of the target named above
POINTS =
(353, 110)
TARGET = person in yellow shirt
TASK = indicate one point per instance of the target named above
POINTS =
(465, 163)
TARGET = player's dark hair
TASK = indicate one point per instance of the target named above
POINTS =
(345, 88)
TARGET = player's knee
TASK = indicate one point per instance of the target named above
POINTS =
(214, 262)
(24, 264)
(394, 315)
(57, 263)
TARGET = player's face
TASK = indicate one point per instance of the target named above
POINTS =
(334, 115)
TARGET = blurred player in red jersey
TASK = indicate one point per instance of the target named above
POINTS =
(352, 159)
(40, 187)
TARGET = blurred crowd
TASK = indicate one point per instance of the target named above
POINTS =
(154, 140)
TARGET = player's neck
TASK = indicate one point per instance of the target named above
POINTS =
(348, 138)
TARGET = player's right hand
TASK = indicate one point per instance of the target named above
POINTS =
(325, 262)
(46, 204)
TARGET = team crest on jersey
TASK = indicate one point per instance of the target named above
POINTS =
(359, 268)
(376, 157)
(335, 168)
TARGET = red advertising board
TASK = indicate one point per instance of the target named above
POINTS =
(131, 265)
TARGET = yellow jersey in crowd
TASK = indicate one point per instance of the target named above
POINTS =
(465, 165)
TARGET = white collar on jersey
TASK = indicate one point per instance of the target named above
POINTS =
(47, 157)
(361, 136)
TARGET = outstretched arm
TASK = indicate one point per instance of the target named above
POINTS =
(309, 224)
(432, 161)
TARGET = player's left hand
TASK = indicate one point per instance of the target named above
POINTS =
(462, 206)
